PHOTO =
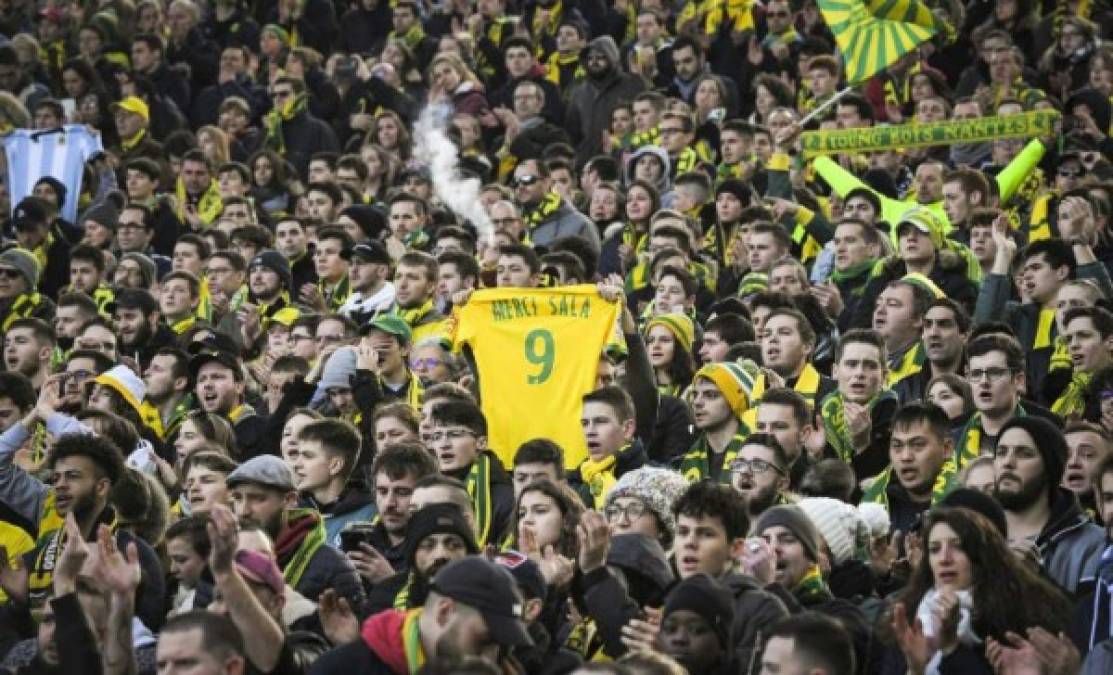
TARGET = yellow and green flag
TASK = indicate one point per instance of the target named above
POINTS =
(873, 34)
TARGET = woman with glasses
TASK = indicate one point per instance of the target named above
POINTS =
(432, 363)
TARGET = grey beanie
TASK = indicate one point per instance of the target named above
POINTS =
(658, 488)
(793, 519)
(146, 266)
(25, 263)
(104, 213)
(339, 369)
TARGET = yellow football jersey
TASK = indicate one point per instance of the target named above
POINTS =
(537, 352)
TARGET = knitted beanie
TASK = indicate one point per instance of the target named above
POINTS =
(680, 325)
(838, 523)
(103, 213)
(707, 598)
(741, 190)
(734, 381)
(753, 282)
(658, 489)
(25, 263)
(876, 517)
(275, 262)
(1050, 443)
(339, 369)
(147, 267)
(126, 383)
(792, 518)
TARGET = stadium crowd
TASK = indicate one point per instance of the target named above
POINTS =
(853, 414)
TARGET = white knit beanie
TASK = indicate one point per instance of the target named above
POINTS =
(876, 518)
(838, 523)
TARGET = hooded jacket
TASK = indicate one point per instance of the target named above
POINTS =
(566, 221)
(1070, 545)
(664, 183)
(612, 602)
(592, 101)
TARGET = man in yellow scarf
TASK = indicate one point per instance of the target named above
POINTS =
(609, 428)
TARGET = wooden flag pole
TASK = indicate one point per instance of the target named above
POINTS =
(825, 105)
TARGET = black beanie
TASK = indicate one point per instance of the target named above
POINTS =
(978, 502)
(709, 599)
(275, 262)
(438, 519)
(743, 192)
(793, 519)
(1051, 444)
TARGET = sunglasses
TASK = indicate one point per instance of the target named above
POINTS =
(1067, 173)
(10, 274)
(524, 181)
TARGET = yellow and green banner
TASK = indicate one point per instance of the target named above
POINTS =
(873, 34)
(980, 130)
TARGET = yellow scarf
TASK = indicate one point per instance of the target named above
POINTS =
(599, 477)
(209, 206)
(128, 143)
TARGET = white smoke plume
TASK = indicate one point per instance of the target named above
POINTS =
(435, 150)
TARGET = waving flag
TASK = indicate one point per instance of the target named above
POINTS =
(873, 34)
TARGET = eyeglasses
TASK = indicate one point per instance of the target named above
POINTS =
(329, 338)
(79, 376)
(282, 93)
(1067, 173)
(524, 181)
(754, 466)
(633, 511)
(991, 374)
(10, 273)
(668, 131)
(425, 364)
(449, 434)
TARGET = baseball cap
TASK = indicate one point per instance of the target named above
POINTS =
(261, 569)
(29, 212)
(489, 589)
(135, 106)
(371, 251)
(224, 358)
(265, 470)
(391, 324)
(133, 298)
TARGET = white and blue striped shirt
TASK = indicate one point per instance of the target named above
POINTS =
(62, 154)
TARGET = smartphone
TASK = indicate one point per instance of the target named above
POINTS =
(354, 535)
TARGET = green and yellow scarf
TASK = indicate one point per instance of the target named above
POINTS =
(947, 480)
(833, 412)
(275, 139)
(24, 306)
(209, 206)
(41, 574)
(548, 206)
(479, 489)
(695, 465)
(971, 439)
(313, 540)
(1072, 402)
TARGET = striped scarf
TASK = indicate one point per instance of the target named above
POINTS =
(548, 206)
(833, 412)
(695, 465)
(41, 577)
(878, 491)
(812, 587)
(479, 489)
(275, 138)
(297, 559)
